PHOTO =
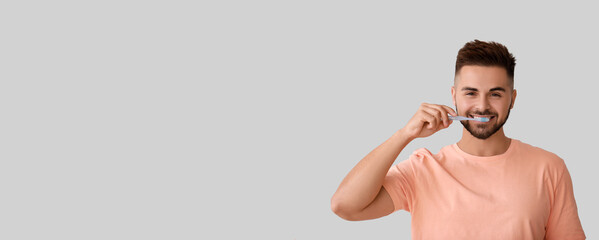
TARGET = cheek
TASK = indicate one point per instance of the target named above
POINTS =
(500, 110)
(464, 106)
(502, 107)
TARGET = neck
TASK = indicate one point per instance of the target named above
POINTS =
(496, 144)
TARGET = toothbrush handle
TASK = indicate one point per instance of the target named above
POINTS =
(458, 118)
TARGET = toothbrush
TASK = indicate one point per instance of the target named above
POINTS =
(460, 118)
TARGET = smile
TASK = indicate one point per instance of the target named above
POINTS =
(490, 117)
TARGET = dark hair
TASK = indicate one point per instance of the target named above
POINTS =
(486, 54)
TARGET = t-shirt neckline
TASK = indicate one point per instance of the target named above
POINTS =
(468, 156)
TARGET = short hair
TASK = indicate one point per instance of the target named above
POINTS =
(483, 53)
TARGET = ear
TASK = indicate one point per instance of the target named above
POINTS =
(453, 94)
(514, 93)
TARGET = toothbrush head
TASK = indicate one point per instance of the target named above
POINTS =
(481, 119)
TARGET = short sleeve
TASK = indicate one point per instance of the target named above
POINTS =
(399, 184)
(563, 222)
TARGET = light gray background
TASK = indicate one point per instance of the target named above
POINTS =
(238, 119)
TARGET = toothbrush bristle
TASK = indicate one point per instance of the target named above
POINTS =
(482, 119)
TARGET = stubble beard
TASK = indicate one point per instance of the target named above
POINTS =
(483, 131)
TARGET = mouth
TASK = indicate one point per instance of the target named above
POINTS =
(490, 117)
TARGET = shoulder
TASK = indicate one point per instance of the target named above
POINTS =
(424, 158)
(421, 154)
(539, 155)
(421, 160)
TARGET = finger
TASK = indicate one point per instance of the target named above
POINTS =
(424, 116)
(449, 110)
(436, 113)
(430, 119)
(442, 114)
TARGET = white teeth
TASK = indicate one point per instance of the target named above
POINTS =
(480, 116)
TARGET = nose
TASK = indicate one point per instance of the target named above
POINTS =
(483, 104)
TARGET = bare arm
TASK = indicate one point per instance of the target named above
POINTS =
(360, 195)
(364, 182)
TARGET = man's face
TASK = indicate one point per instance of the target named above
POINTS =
(483, 91)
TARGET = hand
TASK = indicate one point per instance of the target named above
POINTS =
(429, 119)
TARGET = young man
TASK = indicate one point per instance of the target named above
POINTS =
(486, 186)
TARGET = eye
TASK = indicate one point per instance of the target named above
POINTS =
(496, 95)
(470, 94)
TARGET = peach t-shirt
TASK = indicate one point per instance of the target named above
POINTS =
(524, 193)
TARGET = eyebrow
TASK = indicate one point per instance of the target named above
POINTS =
(476, 90)
(497, 89)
